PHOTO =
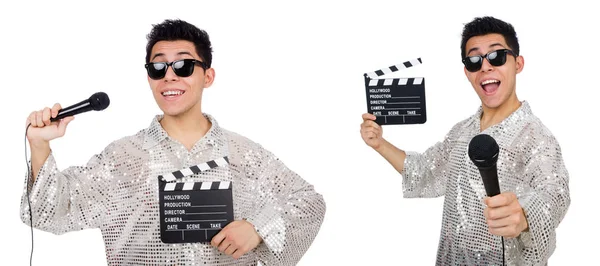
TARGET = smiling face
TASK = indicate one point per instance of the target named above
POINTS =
(177, 96)
(495, 85)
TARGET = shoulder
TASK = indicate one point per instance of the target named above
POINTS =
(246, 149)
(536, 139)
(242, 143)
(533, 126)
(457, 129)
(127, 143)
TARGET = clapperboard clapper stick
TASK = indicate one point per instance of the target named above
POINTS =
(192, 212)
(396, 101)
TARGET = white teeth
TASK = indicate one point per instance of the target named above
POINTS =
(169, 93)
(489, 81)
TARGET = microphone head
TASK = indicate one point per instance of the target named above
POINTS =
(99, 101)
(483, 150)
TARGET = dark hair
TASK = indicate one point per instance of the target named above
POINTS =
(174, 30)
(486, 25)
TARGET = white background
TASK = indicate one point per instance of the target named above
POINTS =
(290, 76)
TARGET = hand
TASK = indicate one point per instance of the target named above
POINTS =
(504, 215)
(236, 239)
(371, 132)
(42, 130)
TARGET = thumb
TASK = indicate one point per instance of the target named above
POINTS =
(62, 126)
(486, 201)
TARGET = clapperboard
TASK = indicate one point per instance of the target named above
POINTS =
(396, 100)
(192, 212)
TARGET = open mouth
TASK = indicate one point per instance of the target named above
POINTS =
(490, 86)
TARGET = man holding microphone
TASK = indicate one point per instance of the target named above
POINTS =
(531, 171)
(277, 214)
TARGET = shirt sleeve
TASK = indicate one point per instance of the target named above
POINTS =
(288, 213)
(424, 174)
(545, 198)
(64, 201)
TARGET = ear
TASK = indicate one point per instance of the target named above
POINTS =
(466, 73)
(520, 63)
(209, 77)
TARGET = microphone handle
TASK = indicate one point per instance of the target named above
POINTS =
(489, 176)
(72, 110)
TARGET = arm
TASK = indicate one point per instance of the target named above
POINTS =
(423, 173)
(288, 215)
(73, 199)
(545, 198)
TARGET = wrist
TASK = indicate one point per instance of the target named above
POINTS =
(382, 147)
(39, 145)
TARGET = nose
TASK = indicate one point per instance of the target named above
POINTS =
(486, 66)
(170, 75)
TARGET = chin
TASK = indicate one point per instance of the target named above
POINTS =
(171, 111)
(490, 103)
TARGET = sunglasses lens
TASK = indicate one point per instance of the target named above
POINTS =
(472, 63)
(183, 68)
(157, 70)
(497, 58)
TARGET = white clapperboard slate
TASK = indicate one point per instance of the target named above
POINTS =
(192, 212)
(396, 100)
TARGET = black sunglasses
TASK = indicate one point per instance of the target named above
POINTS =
(496, 58)
(182, 68)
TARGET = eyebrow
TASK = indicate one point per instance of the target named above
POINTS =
(491, 45)
(180, 53)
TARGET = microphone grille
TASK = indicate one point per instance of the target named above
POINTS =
(99, 101)
(483, 150)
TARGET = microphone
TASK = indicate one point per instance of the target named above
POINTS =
(483, 151)
(97, 102)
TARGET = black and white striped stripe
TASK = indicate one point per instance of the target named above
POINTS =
(394, 82)
(395, 68)
(190, 186)
(195, 169)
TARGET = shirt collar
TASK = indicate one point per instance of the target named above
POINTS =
(518, 115)
(155, 133)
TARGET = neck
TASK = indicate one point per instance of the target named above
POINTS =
(493, 116)
(186, 128)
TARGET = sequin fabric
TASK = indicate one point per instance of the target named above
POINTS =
(530, 164)
(117, 192)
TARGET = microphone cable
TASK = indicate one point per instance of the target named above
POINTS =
(503, 263)
(28, 201)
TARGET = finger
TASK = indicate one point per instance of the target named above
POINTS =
(217, 239)
(55, 108)
(506, 231)
(46, 116)
(499, 231)
(38, 119)
(373, 130)
(372, 124)
(370, 135)
(230, 250)
(502, 222)
(369, 125)
(498, 212)
(367, 116)
(31, 119)
(224, 245)
(502, 199)
(238, 253)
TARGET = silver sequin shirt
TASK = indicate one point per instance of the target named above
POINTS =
(530, 164)
(117, 192)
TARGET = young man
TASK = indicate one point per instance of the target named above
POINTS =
(533, 178)
(277, 214)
